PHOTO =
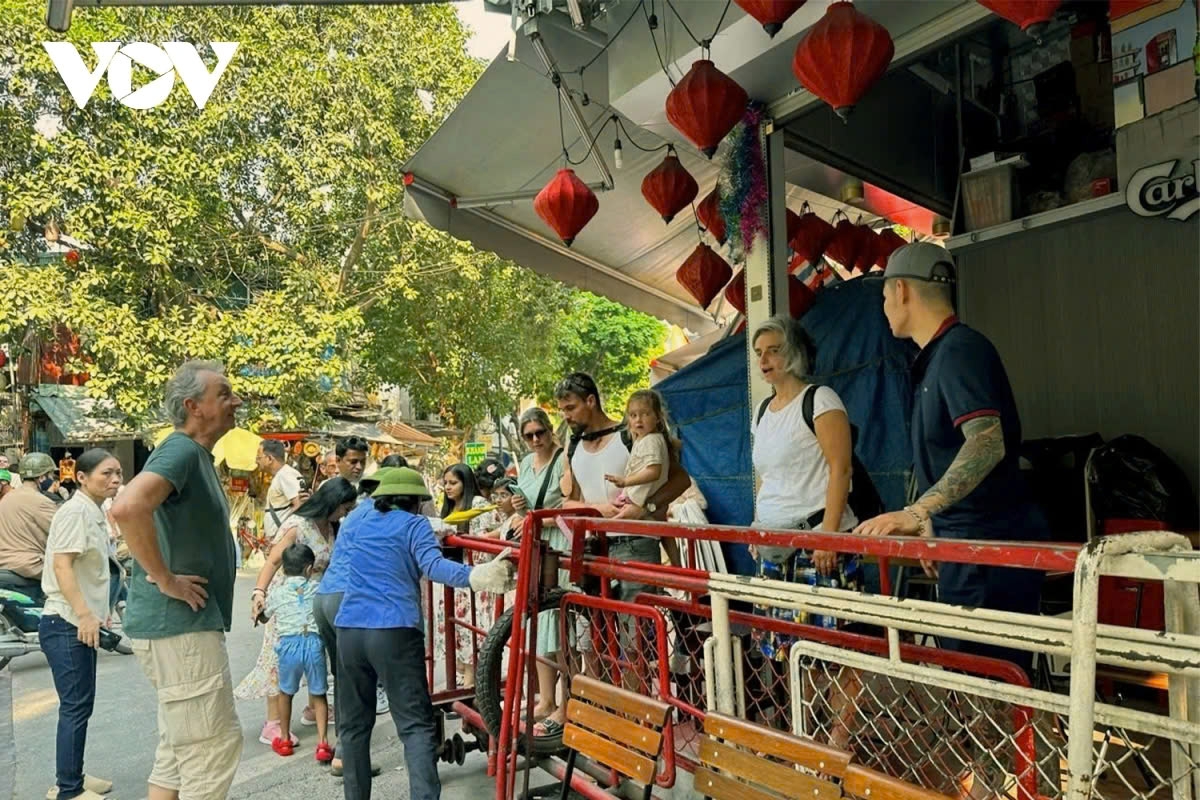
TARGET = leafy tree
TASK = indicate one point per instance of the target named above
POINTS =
(612, 343)
(259, 229)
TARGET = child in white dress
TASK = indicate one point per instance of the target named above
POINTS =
(649, 458)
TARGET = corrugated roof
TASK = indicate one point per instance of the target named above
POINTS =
(79, 417)
(388, 432)
(407, 433)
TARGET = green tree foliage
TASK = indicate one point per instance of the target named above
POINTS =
(610, 342)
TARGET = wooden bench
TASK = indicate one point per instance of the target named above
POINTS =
(614, 727)
(740, 760)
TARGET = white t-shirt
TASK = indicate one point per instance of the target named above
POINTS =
(650, 449)
(589, 469)
(284, 488)
(78, 527)
(791, 465)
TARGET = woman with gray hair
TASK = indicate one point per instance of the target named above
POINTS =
(803, 459)
(538, 484)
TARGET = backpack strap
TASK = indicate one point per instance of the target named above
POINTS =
(807, 405)
(762, 409)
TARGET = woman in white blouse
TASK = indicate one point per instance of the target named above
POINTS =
(76, 583)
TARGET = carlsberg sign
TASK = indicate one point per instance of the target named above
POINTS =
(165, 61)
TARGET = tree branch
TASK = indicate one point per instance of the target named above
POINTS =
(356, 248)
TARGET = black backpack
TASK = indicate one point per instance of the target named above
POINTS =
(626, 439)
(864, 500)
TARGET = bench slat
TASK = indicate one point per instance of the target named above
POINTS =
(720, 787)
(758, 771)
(871, 785)
(785, 746)
(645, 709)
(619, 729)
(625, 761)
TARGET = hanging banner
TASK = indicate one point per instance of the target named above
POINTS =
(475, 453)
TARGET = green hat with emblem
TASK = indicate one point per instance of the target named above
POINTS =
(402, 482)
(35, 465)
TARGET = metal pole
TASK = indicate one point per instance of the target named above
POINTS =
(539, 46)
(724, 653)
(1083, 674)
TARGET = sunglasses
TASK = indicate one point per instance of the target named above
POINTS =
(529, 436)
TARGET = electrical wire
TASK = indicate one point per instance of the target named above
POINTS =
(658, 52)
(679, 17)
(562, 136)
(703, 44)
(641, 4)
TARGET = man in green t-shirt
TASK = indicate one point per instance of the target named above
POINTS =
(176, 523)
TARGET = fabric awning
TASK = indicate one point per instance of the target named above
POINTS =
(385, 432)
(503, 137)
(81, 419)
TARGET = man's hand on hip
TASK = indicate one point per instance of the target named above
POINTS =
(187, 588)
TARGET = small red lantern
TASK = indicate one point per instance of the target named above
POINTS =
(868, 248)
(889, 241)
(566, 204)
(771, 14)
(1032, 16)
(709, 214)
(811, 237)
(845, 244)
(705, 106)
(735, 292)
(842, 56)
(800, 297)
(72, 257)
(669, 187)
(703, 274)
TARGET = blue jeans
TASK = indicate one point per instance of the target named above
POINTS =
(73, 665)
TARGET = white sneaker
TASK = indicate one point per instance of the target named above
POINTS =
(88, 794)
(381, 701)
(92, 784)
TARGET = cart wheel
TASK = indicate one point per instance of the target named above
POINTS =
(489, 680)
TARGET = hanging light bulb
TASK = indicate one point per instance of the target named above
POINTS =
(617, 160)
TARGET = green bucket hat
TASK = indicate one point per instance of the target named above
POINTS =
(35, 465)
(401, 481)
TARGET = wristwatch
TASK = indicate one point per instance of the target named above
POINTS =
(652, 508)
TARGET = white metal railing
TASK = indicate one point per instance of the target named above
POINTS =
(934, 725)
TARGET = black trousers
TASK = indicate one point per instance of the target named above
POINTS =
(394, 657)
(325, 609)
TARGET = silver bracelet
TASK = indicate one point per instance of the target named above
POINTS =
(921, 521)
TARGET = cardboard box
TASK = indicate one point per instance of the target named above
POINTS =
(1094, 85)
(1169, 87)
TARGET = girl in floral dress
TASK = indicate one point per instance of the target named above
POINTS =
(311, 524)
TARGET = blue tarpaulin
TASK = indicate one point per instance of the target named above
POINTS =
(856, 355)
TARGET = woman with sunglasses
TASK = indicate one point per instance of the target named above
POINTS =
(539, 479)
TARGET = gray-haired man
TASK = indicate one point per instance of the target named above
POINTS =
(176, 524)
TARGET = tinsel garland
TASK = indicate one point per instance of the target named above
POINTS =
(743, 182)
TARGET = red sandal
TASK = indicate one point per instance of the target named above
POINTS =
(324, 753)
(282, 747)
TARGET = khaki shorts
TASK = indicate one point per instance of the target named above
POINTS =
(199, 735)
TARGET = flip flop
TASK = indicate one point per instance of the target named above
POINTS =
(547, 727)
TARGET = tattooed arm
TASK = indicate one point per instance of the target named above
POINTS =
(979, 455)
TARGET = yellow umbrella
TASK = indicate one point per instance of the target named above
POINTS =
(237, 448)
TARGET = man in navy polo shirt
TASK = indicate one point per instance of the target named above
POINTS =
(966, 437)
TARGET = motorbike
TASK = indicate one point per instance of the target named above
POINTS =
(20, 614)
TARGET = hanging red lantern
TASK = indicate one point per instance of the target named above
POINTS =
(868, 246)
(845, 244)
(1031, 16)
(72, 257)
(889, 241)
(566, 204)
(735, 292)
(771, 14)
(705, 106)
(709, 214)
(669, 187)
(811, 237)
(703, 274)
(800, 297)
(842, 56)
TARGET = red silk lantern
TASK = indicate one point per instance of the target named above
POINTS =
(800, 297)
(889, 240)
(811, 237)
(705, 106)
(709, 214)
(703, 274)
(735, 292)
(845, 244)
(1031, 16)
(72, 257)
(669, 187)
(868, 248)
(842, 56)
(566, 204)
(771, 14)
